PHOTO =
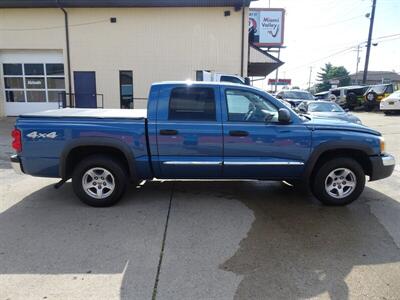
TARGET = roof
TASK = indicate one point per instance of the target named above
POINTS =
(209, 83)
(120, 3)
(348, 87)
(261, 63)
(378, 75)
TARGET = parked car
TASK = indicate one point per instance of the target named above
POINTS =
(294, 97)
(375, 93)
(349, 96)
(198, 131)
(391, 104)
(324, 96)
(326, 109)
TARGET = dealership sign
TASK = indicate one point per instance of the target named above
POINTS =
(280, 81)
(266, 26)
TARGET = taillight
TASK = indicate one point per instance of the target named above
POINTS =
(16, 143)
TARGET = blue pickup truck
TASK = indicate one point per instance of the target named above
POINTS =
(194, 130)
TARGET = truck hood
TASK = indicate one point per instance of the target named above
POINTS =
(335, 115)
(321, 123)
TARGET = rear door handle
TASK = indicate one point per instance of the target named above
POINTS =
(168, 132)
(238, 133)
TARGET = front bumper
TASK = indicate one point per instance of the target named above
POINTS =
(382, 166)
(16, 164)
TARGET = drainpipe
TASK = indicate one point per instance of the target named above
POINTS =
(67, 45)
(242, 50)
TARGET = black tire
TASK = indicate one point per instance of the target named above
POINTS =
(390, 112)
(108, 163)
(371, 101)
(320, 177)
(351, 100)
(368, 107)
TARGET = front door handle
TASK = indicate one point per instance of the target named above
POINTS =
(238, 133)
(168, 132)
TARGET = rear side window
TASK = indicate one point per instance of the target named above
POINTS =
(192, 103)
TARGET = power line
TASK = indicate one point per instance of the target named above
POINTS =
(344, 50)
(334, 23)
(52, 27)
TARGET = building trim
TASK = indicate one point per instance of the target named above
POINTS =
(121, 3)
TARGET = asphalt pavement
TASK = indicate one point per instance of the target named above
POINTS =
(199, 239)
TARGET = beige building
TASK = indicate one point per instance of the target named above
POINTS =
(53, 52)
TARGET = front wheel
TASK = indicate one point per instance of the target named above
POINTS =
(339, 181)
(99, 180)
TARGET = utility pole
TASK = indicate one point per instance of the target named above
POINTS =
(277, 72)
(309, 79)
(358, 61)
(371, 27)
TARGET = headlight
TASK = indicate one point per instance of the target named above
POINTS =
(382, 142)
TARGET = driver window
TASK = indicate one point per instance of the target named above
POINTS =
(245, 106)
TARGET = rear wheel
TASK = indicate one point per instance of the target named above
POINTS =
(370, 101)
(389, 112)
(99, 180)
(351, 100)
(339, 181)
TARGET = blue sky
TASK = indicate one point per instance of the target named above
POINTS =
(316, 29)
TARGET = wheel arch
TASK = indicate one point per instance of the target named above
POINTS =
(357, 151)
(80, 148)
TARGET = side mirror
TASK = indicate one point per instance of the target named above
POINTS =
(347, 110)
(283, 115)
(279, 97)
(247, 81)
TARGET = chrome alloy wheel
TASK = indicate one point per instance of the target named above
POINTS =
(98, 183)
(340, 183)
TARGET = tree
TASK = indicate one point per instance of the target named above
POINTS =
(330, 72)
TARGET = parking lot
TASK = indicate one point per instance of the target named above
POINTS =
(199, 239)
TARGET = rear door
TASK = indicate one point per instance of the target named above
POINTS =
(189, 132)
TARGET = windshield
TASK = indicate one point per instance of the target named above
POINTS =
(379, 89)
(324, 107)
(298, 95)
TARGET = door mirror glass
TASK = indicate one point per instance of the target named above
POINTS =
(284, 115)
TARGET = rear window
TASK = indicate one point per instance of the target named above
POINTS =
(192, 103)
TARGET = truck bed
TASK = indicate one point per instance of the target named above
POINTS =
(91, 113)
(47, 134)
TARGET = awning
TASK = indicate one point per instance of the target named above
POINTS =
(261, 63)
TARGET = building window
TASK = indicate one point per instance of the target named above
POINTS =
(34, 82)
(126, 89)
(193, 103)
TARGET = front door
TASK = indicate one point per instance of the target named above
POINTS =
(189, 132)
(85, 89)
(256, 145)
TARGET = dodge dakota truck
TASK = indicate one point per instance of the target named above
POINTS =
(199, 130)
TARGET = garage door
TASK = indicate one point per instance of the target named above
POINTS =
(33, 81)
